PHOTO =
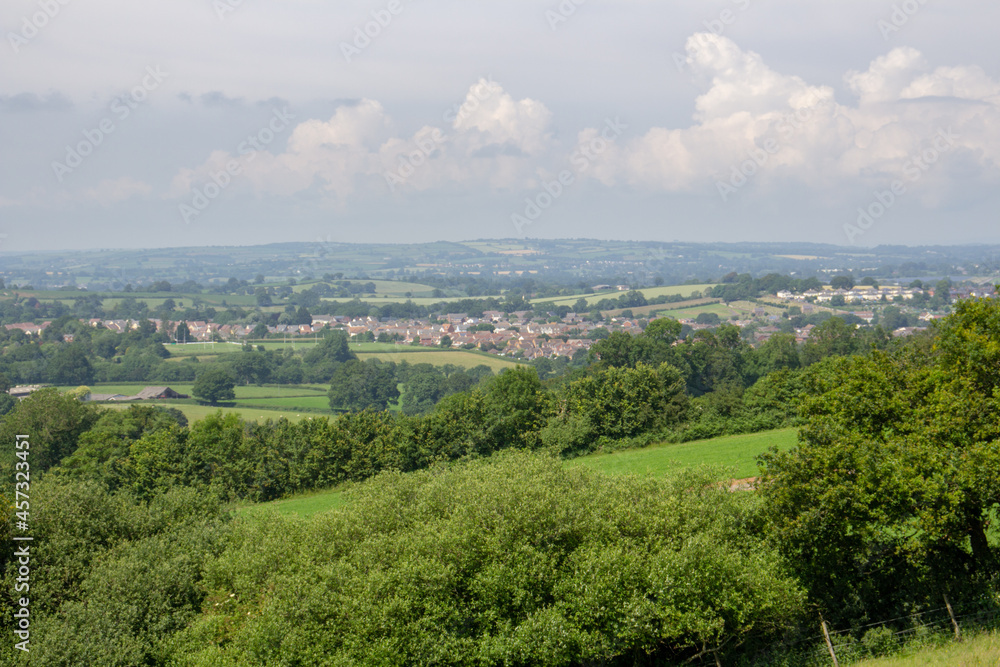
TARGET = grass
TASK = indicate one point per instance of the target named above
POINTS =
(197, 349)
(983, 649)
(197, 412)
(735, 451)
(460, 358)
(648, 292)
(314, 402)
(304, 505)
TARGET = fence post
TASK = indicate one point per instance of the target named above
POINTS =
(829, 644)
(954, 623)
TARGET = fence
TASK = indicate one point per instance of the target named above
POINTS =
(843, 647)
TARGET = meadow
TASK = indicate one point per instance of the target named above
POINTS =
(736, 453)
(648, 292)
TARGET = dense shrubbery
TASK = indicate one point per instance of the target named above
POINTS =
(514, 561)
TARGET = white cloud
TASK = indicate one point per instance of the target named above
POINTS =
(799, 132)
(813, 139)
(492, 141)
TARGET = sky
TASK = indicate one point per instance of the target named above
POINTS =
(234, 122)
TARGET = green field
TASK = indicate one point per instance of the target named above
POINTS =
(462, 358)
(313, 402)
(723, 311)
(736, 451)
(202, 349)
(195, 412)
(648, 292)
(304, 505)
(385, 288)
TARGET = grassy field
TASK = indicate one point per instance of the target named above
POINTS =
(202, 349)
(460, 358)
(648, 292)
(196, 412)
(304, 505)
(723, 311)
(979, 650)
(735, 451)
(738, 451)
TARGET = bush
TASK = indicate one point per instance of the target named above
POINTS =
(880, 641)
(510, 561)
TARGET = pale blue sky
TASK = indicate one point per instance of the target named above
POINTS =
(189, 122)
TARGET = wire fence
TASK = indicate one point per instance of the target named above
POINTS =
(930, 627)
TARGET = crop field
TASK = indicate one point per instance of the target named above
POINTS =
(646, 311)
(737, 451)
(648, 292)
(460, 358)
(734, 451)
(719, 309)
(201, 349)
(385, 288)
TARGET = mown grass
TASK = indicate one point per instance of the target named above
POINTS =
(442, 357)
(196, 412)
(648, 292)
(304, 505)
(738, 452)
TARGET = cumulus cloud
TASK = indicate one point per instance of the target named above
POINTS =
(490, 139)
(750, 117)
(783, 129)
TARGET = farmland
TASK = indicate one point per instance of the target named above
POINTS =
(736, 452)
(648, 292)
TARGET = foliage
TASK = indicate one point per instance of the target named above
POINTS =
(54, 424)
(893, 483)
(363, 385)
(511, 561)
(214, 385)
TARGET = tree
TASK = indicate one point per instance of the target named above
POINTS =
(69, 365)
(897, 471)
(368, 385)
(182, 334)
(214, 385)
(54, 424)
(446, 341)
(842, 282)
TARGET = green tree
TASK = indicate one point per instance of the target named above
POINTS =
(54, 424)
(363, 385)
(842, 282)
(896, 474)
(214, 385)
(69, 365)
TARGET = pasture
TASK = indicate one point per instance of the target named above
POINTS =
(648, 292)
(736, 452)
